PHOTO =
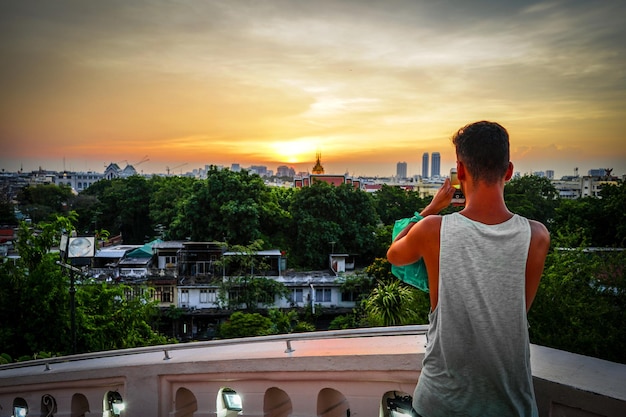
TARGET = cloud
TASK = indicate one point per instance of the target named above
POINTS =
(367, 79)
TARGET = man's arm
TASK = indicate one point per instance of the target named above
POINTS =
(537, 252)
(411, 247)
(440, 201)
(411, 243)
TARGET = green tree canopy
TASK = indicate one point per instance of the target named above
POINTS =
(44, 201)
(533, 197)
(328, 218)
(243, 286)
(613, 217)
(226, 207)
(34, 308)
(581, 304)
(394, 203)
(245, 325)
(34, 302)
(115, 317)
(166, 199)
(7, 210)
(124, 208)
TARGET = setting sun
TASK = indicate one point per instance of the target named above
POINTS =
(294, 151)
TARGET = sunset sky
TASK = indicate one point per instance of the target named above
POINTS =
(366, 83)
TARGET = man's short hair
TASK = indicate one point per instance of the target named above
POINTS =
(483, 147)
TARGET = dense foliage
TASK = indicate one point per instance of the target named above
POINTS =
(581, 302)
(241, 324)
(34, 303)
(579, 307)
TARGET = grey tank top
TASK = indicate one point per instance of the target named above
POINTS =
(477, 360)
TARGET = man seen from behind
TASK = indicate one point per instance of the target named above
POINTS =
(484, 264)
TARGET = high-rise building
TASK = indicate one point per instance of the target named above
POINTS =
(285, 171)
(436, 165)
(425, 165)
(261, 170)
(401, 170)
(597, 172)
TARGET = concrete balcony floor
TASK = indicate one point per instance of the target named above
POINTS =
(329, 374)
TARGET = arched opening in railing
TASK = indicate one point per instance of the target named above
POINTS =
(228, 402)
(80, 405)
(276, 403)
(185, 403)
(20, 407)
(112, 404)
(332, 403)
(396, 404)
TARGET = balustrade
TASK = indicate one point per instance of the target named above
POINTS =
(327, 374)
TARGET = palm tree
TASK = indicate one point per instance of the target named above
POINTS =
(391, 303)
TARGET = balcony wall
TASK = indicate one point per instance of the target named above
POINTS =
(329, 374)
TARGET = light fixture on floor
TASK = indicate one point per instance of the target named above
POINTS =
(116, 403)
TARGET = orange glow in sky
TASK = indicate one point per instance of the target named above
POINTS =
(272, 83)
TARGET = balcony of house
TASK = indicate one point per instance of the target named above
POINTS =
(360, 372)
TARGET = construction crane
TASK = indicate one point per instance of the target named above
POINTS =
(145, 158)
(168, 169)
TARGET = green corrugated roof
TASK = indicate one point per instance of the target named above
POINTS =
(145, 251)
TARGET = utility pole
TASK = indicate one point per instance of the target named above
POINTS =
(72, 270)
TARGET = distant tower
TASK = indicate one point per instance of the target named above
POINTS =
(318, 168)
(425, 165)
(401, 170)
(436, 168)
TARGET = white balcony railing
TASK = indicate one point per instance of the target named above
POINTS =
(329, 374)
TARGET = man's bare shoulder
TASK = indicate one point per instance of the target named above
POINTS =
(539, 233)
(419, 240)
(538, 228)
(429, 224)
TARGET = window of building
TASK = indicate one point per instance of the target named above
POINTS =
(204, 267)
(297, 295)
(134, 293)
(207, 296)
(163, 294)
(233, 297)
(184, 296)
(322, 295)
(349, 296)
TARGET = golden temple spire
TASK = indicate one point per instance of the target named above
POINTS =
(318, 168)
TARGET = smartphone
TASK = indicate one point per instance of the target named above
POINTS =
(458, 198)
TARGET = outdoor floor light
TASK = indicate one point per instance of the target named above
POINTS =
(232, 400)
(20, 411)
(401, 406)
(116, 404)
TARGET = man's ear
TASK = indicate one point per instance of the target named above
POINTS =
(509, 172)
(460, 170)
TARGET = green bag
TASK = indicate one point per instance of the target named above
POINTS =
(414, 274)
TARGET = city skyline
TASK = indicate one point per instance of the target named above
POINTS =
(400, 168)
(365, 84)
